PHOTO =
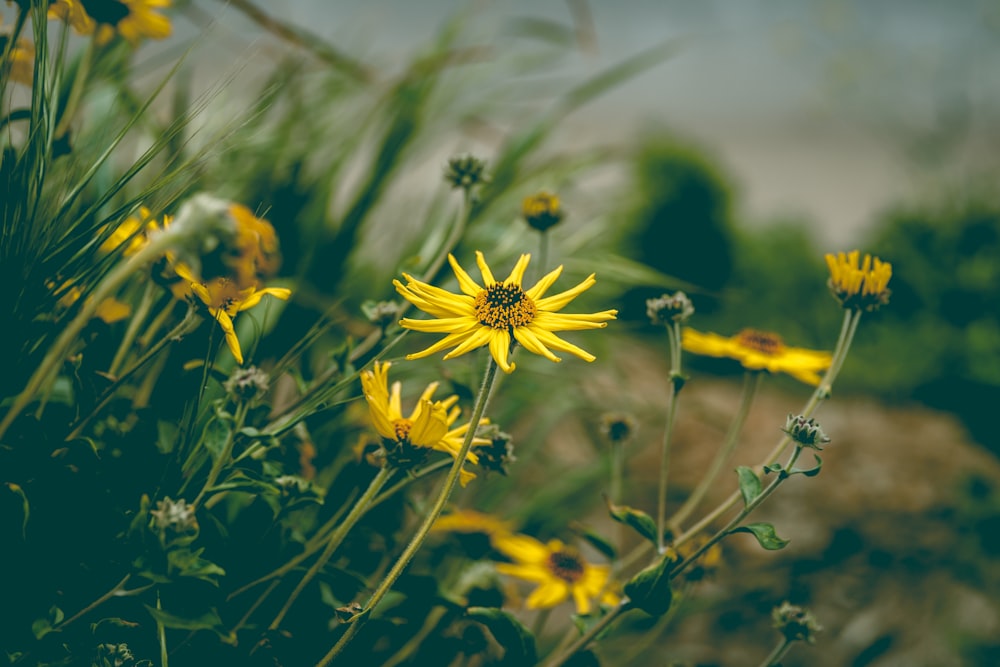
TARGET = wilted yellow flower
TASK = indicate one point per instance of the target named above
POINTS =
(429, 425)
(859, 283)
(132, 19)
(499, 314)
(558, 569)
(760, 351)
(223, 299)
(541, 210)
(470, 521)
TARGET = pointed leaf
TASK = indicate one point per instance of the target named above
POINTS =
(638, 520)
(649, 590)
(517, 641)
(207, 621)
(750, 486)
(809, 472)
(773, 467)
(765, 534)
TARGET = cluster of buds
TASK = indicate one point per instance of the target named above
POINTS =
(666, 309)
(805, 432)
(795, 623)
(248, 384)
(465, 171)
(541, 210)
(618, 427)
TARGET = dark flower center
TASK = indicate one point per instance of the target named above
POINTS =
(503, 306)
(566, 564)
(764, 342)
(106, 11)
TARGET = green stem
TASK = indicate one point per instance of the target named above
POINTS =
(778, 653)
(136, 321)
(224, 457)
(161, 632)
(751, 381)
(744, 513)
(617, 472)
(336, 538)
(543, 254)
(589, 636)
(70, 335)
(674, 336)
(96, 603)
(408, 479)
(418, 539)
(76, 92)
(540, 619)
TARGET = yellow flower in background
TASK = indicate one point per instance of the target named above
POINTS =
(19, 65)
(132, 19)
(255, 250)
(223, 299)
(541, 210)
(109, 311)
(132, 232)
(471, 521)
(558, 569)
(859, 283)
(428, 426)
(760, 351)
(499, 313)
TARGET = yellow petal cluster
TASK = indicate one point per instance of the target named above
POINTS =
(760, 351)
(859, 283)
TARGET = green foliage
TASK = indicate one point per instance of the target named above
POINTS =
(766, 536)
(650, 589)
(518, 643)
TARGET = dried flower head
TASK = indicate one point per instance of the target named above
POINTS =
(174, 517)
(861, 284)
(541, 210)
(795, 623)
(247, 384)
(806, 432)
(465, 171)
(499, 454)
(667, 309)
(618, 427)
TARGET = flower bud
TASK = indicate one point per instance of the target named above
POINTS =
(465, 171)
(247, 384)
(805, 432)
(795, 623)
(541, 210)
(618, 427)
(666, 309)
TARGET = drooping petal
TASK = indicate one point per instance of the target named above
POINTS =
(556, 343)
(451, 340)
(500, 349)
(477, 338)
(255, 296)
(226, 322)
(549, 594)
(531, 343)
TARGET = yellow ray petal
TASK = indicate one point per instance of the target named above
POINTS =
(465, 281)
(543, 285)
(558, 301)
(488, 278)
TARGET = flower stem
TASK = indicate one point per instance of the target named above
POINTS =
(589, 636)
(543, 254)
(778, 653)
(418, 539)
(138, 317)
(751, 381)
(224, 457)
(674, 336)
(335, 539)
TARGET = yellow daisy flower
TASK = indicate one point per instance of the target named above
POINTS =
(499, 314)
(859, 283)
(255, 251)
(224, 299)
(127, 232)
(132, 19)
(760, 351)
(471, 521)
(558, 569)
(429, 425)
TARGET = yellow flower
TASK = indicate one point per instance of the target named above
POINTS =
(541, 210)
(128, 232)
(224, 299)
(470, 521)
(20, 60)
(760, 351)
(109, 311)
(132, 19)
(859, 283)
(255, 251)
(429, 425)
(558, 569)
(499, 314)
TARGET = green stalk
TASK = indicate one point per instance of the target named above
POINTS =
(138, 317)
(751, 381)
(76, 92)
(674, 336)
(417, 541)
(589, 636)
(336, 538)
(227, 453)
(778, 653)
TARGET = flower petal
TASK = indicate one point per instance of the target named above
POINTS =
(488, 278)
(558, 301)
(465, 281)
(500, 349)
(533, 345)
(555, 342)
(543, 285)
(517, 273)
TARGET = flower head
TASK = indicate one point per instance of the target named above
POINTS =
(499, 313)
(806, 432)
(132, 19)
(795, 623)
(618, 427)
(465, 171)
(558, 569)
(541, 210)
(247, 384)
(667, 309)
(862, 284)
(760, 351)
(429, 426)
(223, 298)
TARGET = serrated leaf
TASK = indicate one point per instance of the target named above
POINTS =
(517, 641)
(638, 520)
(765, 534)
(649, 590)
(207, 621)
(809, 472)
(750, 485)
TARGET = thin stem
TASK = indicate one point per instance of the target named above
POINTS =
(161, 632)
(751, 381)
(543, 253)
(674, 337)
(540, 619)
(336, 538)
(79, 82)
(96, 603)
(224, 457)
(138, 317)
(778, 653)
(617, 472)
(589, 636)
(418, 539)
(744, 513)
(408, 479)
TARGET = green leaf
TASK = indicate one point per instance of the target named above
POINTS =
(167, 435)
(773, 467)
(750, 486)
(190, 564)
(25, 507)
(207, 621)
(649, 590)
(215, 437)
(638, 520)
(43, 626)
(597, 541)
(809, 472)
(764, 532)
(518, 643)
